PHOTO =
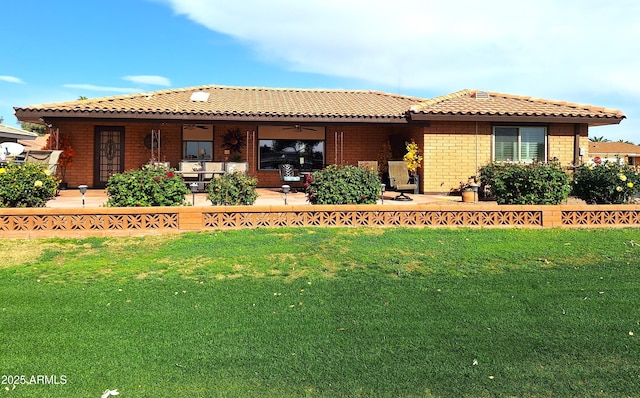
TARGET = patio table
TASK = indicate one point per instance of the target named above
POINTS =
(200, 174)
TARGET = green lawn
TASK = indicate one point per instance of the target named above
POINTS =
(324, 312)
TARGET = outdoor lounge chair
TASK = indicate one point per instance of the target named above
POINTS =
(399, 179)
(48, 158)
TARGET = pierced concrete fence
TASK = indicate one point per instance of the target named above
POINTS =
(130, 221)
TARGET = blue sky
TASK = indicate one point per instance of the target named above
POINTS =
(582, 51)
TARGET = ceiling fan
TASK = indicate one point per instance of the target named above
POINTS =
(298, 127)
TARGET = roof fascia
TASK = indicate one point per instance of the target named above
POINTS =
(155, 116)
(518, 119)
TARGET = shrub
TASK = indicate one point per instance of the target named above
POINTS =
(26, 185)
(339, 185)
(607, 182)
(152, 185)
(535, 183)
(233, 189)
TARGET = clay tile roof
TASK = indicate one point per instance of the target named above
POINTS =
(614, 148)
(16, 133)
(227, 103)
(476, 103)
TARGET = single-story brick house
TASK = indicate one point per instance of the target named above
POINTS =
(13, 134)
(612, 151)
(458, 133)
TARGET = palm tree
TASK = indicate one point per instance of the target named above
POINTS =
(626, 141)
(599, 139)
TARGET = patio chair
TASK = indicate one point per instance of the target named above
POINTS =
(369, 164)
(242, 167)
(399, 179)
(47, 158)
(218, 167)
(189, 166)
(288, 175)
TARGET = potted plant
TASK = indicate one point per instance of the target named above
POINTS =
(469, 191)
(413, 159)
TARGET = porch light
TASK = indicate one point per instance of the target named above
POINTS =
(83, 190)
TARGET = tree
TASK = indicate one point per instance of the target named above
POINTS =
(626, 141)
(599, 139)
(40, 129)
(1, 119)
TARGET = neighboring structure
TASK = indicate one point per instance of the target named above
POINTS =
(458, 133)
(13, 134)
(615, 151)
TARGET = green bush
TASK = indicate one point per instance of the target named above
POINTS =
(535, 183)
(233, 189)
(26, 185)
(152, 185)
(341, 185)
(607, 182)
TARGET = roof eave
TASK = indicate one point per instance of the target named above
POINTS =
(36, 115)
(591, 121)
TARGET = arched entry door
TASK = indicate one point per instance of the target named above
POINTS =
(108, 154)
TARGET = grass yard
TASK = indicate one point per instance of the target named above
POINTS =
(326, 312)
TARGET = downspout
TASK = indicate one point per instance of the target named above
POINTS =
(576, 144)
(476, 174)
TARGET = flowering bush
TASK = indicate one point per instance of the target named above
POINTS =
(233, 189)
(412, 157)
(607, 182)
(152, 185)
(534, 183)
(26, 185)
(341, 185)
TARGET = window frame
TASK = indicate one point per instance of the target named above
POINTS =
(519, 146)
(202, 135)
(306, 137)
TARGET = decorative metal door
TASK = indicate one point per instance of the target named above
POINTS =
(109, 154)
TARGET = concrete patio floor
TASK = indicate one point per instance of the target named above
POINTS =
(71, 198)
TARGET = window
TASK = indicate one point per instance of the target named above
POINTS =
(197, 141)
(520, 144)
(301, 146)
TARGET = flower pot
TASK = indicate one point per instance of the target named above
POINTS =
(468, 196)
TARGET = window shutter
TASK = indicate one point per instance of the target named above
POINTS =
(506, 144)
(532, 143)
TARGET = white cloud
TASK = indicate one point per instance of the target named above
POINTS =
(439, 45)
(147, 79)
(91, 87)
(573, 50)
(12, 79)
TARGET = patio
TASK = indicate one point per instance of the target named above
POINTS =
(71, 198)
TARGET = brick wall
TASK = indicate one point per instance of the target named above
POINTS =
(450, 153)
(449, 148)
